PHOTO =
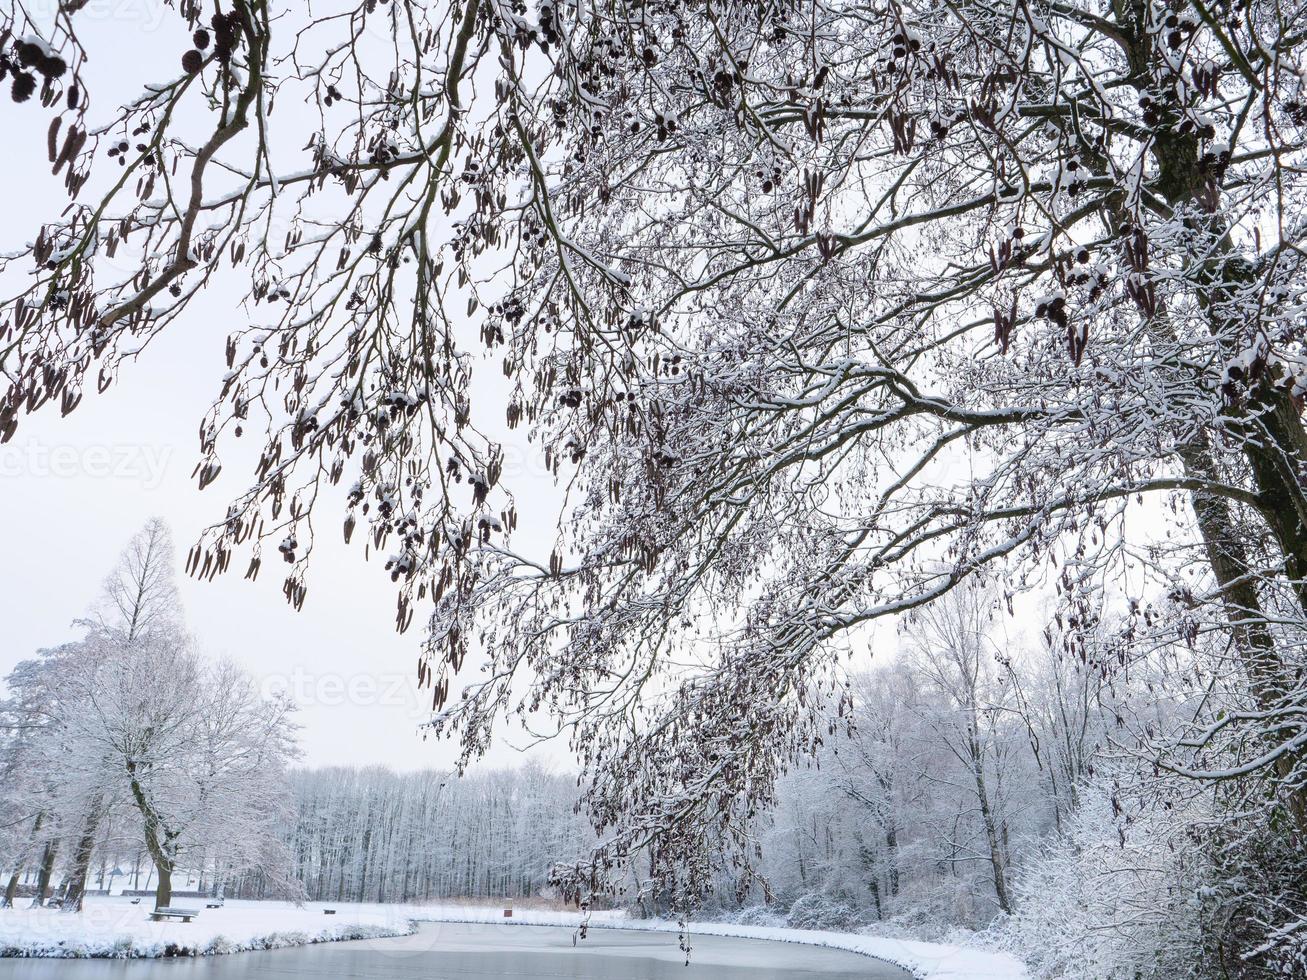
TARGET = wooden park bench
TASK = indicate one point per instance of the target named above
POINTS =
(158, 915)
(213, 905)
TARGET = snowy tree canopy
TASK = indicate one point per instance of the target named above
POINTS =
(816, 309)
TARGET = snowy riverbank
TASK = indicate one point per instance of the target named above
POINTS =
(113, 927)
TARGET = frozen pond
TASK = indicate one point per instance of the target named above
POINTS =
(453, 951)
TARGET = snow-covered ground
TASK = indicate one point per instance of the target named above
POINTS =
(115, 927)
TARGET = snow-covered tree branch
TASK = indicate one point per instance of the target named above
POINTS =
(816, 311)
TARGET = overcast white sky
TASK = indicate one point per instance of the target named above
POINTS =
(72, 491)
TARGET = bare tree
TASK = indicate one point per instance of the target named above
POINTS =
(139, 605)
(953, 650)
(140, 595)
(881, 768)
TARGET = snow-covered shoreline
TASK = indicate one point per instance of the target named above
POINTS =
(114, 928)
(927, 961)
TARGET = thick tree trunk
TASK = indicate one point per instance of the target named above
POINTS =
(75, 892)
(11, 889)
(77, 874)
(1228, 557)
(163, 895)
(44, 873)
(1269, 425)
(157, 841)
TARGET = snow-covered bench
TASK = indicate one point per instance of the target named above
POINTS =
(158, 915)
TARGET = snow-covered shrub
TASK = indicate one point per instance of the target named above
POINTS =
(280, 940)
(123, 948)
(1261, 926)
(221, 946)
(361, 931)
(1285, 950)
(817, 911)
(760, 915)
(913, 924)
(1121, 896)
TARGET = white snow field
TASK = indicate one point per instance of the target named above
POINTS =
(113, 927)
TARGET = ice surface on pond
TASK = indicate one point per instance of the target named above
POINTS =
(114, 927)
(450, 951)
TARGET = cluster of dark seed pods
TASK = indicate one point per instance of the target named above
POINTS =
(24, 62)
